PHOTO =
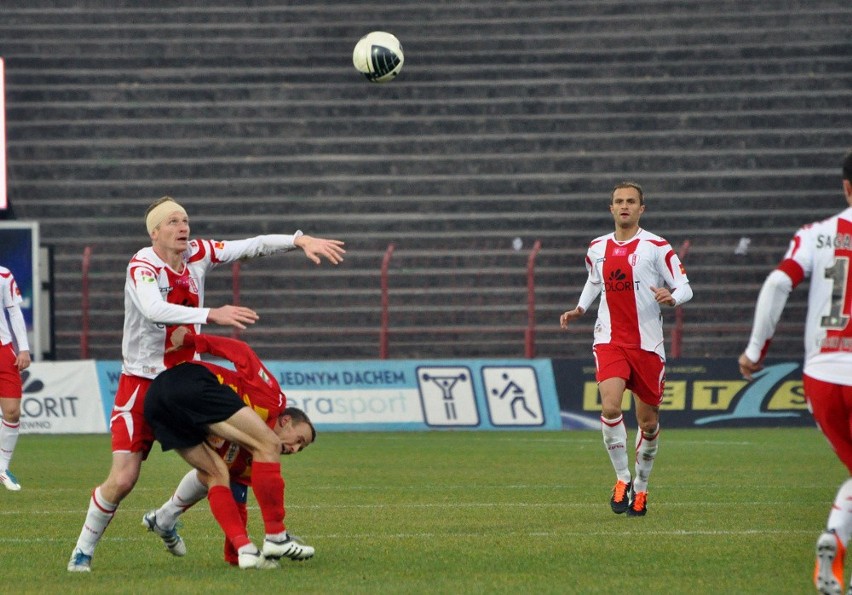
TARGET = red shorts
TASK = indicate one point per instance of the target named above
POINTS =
(644, 372)
(831, 406)
(10, 377)
(130, 431)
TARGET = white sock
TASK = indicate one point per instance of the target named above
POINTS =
(615, 440)
(646, 452)
(277, 536)
(840, 517)
(8, 439)
(99, 515)
(248, 548)
(190, 491)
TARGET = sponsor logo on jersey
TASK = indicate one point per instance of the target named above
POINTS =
(618, 281)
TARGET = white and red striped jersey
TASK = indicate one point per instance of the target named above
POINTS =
(822, 252)
(11, 298)
(622, 273)
(158, 298)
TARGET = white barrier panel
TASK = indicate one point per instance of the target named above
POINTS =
(62, 398)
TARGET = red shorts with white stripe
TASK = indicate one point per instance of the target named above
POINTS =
(831, 406)
(644, 372)
(10, 377)
(130, 431)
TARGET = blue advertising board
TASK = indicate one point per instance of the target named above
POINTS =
(708, 393)
(391, 395)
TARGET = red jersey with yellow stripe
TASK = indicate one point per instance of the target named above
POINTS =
(250, 379)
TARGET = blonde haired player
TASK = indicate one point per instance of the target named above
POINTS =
(629, 268)
(164, 288)
(11, 366)
(821, 251)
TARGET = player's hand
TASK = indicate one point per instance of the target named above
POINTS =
(315, 248)
(663, 296)
(238, 316)
(748, 367)
(178, 337)
(569, 316)
(23, 361)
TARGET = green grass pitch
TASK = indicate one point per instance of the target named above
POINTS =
(730, 511)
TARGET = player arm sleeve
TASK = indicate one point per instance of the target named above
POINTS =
(770, 304)
(591, 291)
(263, 245)
(682, 294)
(19, 327)
(675, 277)
(245, 360)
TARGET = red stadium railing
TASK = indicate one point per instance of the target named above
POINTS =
(84, 304)
(385, 331)
(529, 331)
(385, 320)
(529, 336)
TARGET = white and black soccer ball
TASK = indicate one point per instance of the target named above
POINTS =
(378, 56)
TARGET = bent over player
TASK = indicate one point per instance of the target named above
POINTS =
(632, 270)
(189, 402)
(290, 426)
(821, 252)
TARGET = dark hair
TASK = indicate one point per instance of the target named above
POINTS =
(847, 166)
(633, 185)
(300, 417)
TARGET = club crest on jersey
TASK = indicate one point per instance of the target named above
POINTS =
(188, 282)
(633, 259)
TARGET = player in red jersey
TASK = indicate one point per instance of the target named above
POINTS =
(630, 269)
(821, 252)
(164, 288)
(289, 426)
(12, 363)
(189, 402)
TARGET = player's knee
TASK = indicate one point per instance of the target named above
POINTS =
(610, 411)
(118, 486)
(12, 411)
(648, 428)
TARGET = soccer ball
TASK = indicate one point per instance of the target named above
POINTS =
(378, 56)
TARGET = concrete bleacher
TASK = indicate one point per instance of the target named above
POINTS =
(511, 120)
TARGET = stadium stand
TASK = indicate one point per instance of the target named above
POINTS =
(510, 123)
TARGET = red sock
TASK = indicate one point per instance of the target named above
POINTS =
(268, 486)
(231, 556)
(227, 515)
